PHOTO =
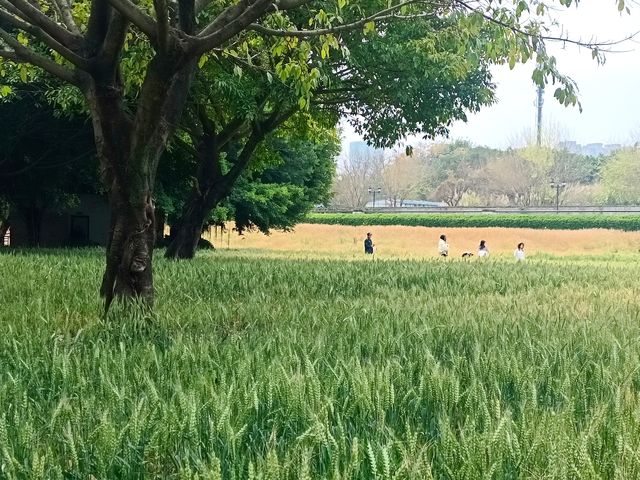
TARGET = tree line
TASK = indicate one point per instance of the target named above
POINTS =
(461, 174)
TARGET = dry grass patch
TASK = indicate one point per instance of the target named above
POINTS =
(421, 242)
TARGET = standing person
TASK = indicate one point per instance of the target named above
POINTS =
(519, 253)
(368, 244)
(443, 246)
(483, 251)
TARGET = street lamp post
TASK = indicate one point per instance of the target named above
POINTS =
(558, 186)
(374, 190)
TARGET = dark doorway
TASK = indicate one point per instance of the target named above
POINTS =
(79, 230)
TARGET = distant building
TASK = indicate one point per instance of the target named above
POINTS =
(423, 204)
(86, 224)
(385, 203)
(591, 149)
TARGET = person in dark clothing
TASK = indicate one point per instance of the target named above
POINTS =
(368, 244)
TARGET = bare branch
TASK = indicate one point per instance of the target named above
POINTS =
(139, 18)
(26, 55)
(64, 9)
(39, 19)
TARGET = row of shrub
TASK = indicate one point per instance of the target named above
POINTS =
(508, 220)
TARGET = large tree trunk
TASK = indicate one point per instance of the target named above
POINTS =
(129, 150)
(129, 271)
(212, 186)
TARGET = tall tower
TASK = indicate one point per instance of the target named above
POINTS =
(538, 103)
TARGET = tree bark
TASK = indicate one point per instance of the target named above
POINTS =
(129, 150)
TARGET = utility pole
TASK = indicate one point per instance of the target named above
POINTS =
(558, 186)
(539, 102)
(374, 190)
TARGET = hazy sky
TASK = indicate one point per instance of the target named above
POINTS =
(609, 93)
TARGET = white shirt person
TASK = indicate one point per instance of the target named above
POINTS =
(443, 246)
(519, 253)
(483, 251)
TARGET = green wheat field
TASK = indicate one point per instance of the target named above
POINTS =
(254, 367)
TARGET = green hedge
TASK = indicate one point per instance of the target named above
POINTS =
(508, 220)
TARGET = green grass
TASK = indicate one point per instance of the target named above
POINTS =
(288, 369)
(480, 220)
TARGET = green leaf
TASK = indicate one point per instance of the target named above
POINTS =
(369, 27)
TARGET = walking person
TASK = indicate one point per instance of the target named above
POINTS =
(483, 251)
(519, 253)
(368, 244)
(443, 246)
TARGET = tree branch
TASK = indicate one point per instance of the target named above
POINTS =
(385, 14)
(258, 132)
(187, 15)
(115, 37)
(98, 23)
(39, 19)
(515, 29)
(64, 9)
(23, 54)
(162, 16)
(41, 35)
(228, 24)
(138, 17)
(226, 16)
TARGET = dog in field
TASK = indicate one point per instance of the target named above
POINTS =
(467, 255)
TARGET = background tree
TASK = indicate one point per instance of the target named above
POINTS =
(280, 195)
(513, 177)
(451, 170)
(621, 177)
(401, 178)
(357, 172)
